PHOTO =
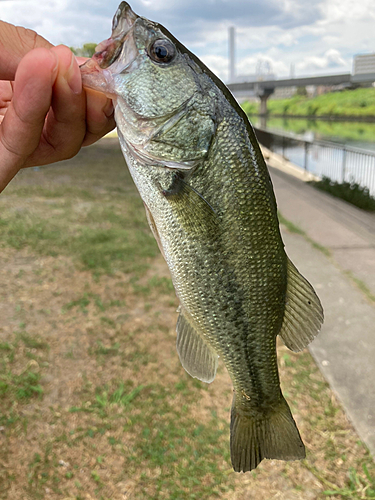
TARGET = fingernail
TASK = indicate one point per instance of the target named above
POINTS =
(108, 108)
(73, 77)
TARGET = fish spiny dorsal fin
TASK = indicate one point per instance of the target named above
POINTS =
(196, 356)
(303, 315)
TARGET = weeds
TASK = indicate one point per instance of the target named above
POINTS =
(22, 387)
(297, 230)
(361, 285)
(32, 341)
(104, 399)
(358, 487)
(351, 192)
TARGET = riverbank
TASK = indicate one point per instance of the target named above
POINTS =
(348, 105)
(329, 118)
(356, 134)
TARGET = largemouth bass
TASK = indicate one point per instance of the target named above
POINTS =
(210, 204)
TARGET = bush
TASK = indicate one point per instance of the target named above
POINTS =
(351, 192)
(250, 108)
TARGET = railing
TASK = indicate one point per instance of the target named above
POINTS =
(338, 162)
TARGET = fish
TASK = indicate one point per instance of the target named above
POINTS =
(210, 204)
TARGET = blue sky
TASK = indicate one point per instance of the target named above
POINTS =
(316, 36)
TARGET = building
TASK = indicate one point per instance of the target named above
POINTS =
(364, 63)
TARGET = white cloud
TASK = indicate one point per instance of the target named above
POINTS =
(217, 64)
(330, 59)
(316, 36)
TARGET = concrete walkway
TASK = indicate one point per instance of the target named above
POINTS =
(345, 348)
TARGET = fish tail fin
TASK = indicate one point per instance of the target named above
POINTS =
(270, 435)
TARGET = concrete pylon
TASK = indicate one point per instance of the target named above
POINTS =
(263, 95)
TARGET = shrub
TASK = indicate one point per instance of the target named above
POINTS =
(351, 192)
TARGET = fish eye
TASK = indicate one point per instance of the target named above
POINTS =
(162, 51)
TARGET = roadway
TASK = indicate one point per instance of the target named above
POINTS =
(328, 80)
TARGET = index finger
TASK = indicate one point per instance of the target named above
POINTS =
(24, 120)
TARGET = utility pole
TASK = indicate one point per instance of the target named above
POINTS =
(232, 60)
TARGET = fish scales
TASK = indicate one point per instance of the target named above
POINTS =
(210, 204)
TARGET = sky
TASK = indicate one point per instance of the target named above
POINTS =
(314, 37)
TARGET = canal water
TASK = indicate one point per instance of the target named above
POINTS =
(342, 151)
(358, 134)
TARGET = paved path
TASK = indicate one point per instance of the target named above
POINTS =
(345, 348)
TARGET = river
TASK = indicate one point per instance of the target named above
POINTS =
(354, 163)
(357, 134)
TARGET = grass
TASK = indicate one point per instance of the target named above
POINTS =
(361, 285)
(101, 237)
(297, 230)
(94, 400)
(358, 102)
(19, 386)
(94, 247)
(359, 486)
(351, 192)
(163, 433)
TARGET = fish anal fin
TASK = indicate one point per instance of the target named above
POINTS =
(196, 356)
(303, 315)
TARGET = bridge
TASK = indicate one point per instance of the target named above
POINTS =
(264, 88)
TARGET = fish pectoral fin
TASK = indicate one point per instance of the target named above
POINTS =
(154, 229)
(303, 315)
(194, 212)
(196, 356)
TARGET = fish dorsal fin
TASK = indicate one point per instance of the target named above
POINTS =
(303, 312)
(196, 356)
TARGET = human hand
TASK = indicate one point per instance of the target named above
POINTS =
(45, 116)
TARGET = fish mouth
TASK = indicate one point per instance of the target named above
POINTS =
(97, 72)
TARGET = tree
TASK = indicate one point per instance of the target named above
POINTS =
(87, 50)
(301, 91)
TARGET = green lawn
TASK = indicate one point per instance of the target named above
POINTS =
(94, 403)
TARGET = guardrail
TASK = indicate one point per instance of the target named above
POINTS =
(322, 158)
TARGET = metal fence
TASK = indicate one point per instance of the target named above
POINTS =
(338, 162)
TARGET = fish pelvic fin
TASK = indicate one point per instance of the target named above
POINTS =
(272, 434)
(303, 315)
(196, 356)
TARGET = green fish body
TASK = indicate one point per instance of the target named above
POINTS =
(210, 204)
